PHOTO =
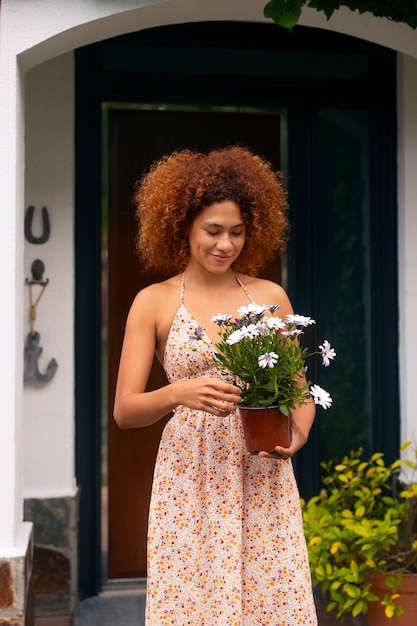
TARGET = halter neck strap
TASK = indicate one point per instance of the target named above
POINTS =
(182, 290)
(244, 289)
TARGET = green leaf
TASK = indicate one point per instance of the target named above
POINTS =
(360, 511)
(359, 607)
(285, 13)
(352, 591)
(371, 597)
(327, 6)
(284, 409)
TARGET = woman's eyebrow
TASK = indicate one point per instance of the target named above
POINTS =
(213, 224)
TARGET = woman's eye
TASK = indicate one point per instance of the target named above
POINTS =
(217, 233)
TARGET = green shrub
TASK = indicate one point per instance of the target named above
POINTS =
(363, 523)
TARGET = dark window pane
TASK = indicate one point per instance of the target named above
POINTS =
(343, 270)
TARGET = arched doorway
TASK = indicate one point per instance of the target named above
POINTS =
(335, 100)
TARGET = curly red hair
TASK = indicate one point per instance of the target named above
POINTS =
(179, 186)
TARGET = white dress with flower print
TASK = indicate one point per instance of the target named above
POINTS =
(225, 543)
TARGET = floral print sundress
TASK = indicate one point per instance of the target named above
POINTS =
(225, 539)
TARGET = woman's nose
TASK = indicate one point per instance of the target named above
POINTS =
(224, 242)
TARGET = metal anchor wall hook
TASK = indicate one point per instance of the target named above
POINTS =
(28, 226)
(32, 354)
(32, 348)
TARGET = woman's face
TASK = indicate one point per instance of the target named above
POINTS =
(217, 236)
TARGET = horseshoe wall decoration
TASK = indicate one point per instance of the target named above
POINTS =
(45, 222)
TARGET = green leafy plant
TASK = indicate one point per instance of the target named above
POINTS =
(362, 524)
(262, 351)
(286, 13)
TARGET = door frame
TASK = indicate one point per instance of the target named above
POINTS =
(284, 72)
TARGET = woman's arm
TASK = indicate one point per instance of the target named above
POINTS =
(136, 407)
(132, 406)
(302, 417)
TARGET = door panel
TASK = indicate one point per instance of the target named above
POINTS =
(136, 138)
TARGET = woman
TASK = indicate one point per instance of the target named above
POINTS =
(225, 538)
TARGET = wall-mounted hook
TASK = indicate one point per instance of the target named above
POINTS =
(28, 226)
(37, 268)
(32, 348)
(32, 354)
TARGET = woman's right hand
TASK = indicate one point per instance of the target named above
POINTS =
(209, 394)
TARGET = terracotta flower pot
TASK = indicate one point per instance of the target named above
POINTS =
(264, 428)
(408, 601)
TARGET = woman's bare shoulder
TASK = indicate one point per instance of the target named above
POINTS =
(158, 295)
(154, 308)
(265, 291)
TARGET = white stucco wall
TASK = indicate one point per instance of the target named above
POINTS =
(49, 181)
(407, 238)
(11, 296)
(39, 34)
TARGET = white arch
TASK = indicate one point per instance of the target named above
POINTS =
(53, 28)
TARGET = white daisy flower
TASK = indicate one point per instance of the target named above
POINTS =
(235, 337)
(249, 331)
(274, 323)
(273, 307)
(252, 308)
(327, 352)
(221, 318)
(321, 397)
(267, 360)
(299, 320)
(292, 333)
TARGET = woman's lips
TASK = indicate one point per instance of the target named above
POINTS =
(221, 258)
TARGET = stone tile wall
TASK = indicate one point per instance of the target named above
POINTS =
(55, 559)
(16, 607)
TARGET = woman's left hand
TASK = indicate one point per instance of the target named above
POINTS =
(298, 440)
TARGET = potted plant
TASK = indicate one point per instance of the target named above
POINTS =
(362, 526)
(262, 353)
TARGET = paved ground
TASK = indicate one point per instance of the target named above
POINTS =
(127, 608)
(112, 609)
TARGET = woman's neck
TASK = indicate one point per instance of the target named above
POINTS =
(199, 278)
